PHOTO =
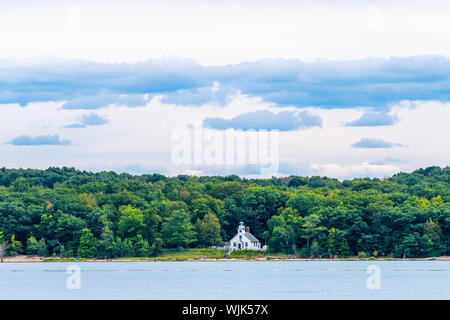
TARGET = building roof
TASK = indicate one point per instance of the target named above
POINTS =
(251, 237)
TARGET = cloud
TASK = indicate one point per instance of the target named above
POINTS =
(374, 83)
(75, 126)
(375, 143)
(103, 100)
(388, 160)
(90, 119)
(360, 170)
(264, 119)
(25, 140)
(372, 119)
(138, 169)
(215, 94)
(245, 170)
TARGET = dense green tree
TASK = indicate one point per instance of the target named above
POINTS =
(208, 231)
(311, 228)
(87, 247)
(105, 245)
(331, 241)
(282, 236)
(3, 246)
(157, 247)
(434, 232)
(131, 222)
(178, 230)
(407, 214)
(42, 249)
(142, 247)
(15, 246)
(32, 246)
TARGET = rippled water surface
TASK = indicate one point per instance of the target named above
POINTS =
(227, 280)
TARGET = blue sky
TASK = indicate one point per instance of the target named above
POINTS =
(102, 86)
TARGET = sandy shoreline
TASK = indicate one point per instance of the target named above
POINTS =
(39, 259)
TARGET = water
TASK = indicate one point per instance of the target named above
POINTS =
(227, 280)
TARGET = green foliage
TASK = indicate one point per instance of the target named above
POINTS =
(314, 249)
(87, 247)
(157, 247)
(282, 237)
(47, 213)
(15, 247)
(247, 254)
(131, 222)
(142, 247)
(362, 255)
(178, 230)
(208, 231)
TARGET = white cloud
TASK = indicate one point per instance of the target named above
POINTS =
(363, 169)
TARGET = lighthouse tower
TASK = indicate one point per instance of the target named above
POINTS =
(241, 228)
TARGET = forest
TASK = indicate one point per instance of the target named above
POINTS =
(64, 212)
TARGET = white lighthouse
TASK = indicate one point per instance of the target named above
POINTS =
(244, 240)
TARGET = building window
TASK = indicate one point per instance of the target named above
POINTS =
(240, 237)
(246, 244)
(234, 244)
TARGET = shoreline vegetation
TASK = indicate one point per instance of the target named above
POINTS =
(73, 214)
(201, 255)
(25, 259)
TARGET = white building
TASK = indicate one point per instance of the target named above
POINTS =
(244, 240)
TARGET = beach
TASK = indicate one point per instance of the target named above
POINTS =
(24, 258)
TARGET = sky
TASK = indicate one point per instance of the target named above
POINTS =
(348, 89)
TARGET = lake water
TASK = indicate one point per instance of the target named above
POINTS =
(227, 280)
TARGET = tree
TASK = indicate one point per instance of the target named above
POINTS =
(32, 246)
(105, 245)
(142, 246)
(177, 229)
(87, 247)
(68, 230)
(152, 222)
(35, 247)
(282, 237)
(305, 203)
(259, 204)
(314, 249)
(311, 227)
(331, 241)
(279, 240)
(42, 249)
(208, 230)
(123, 248)
(3, 246)
(131, 222)
(344, 249)
(15, 247)
(410, 245)
(434, 232)
(157, 247)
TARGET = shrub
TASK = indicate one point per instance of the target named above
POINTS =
(362, 255)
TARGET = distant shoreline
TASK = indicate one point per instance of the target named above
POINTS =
(53, 259)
